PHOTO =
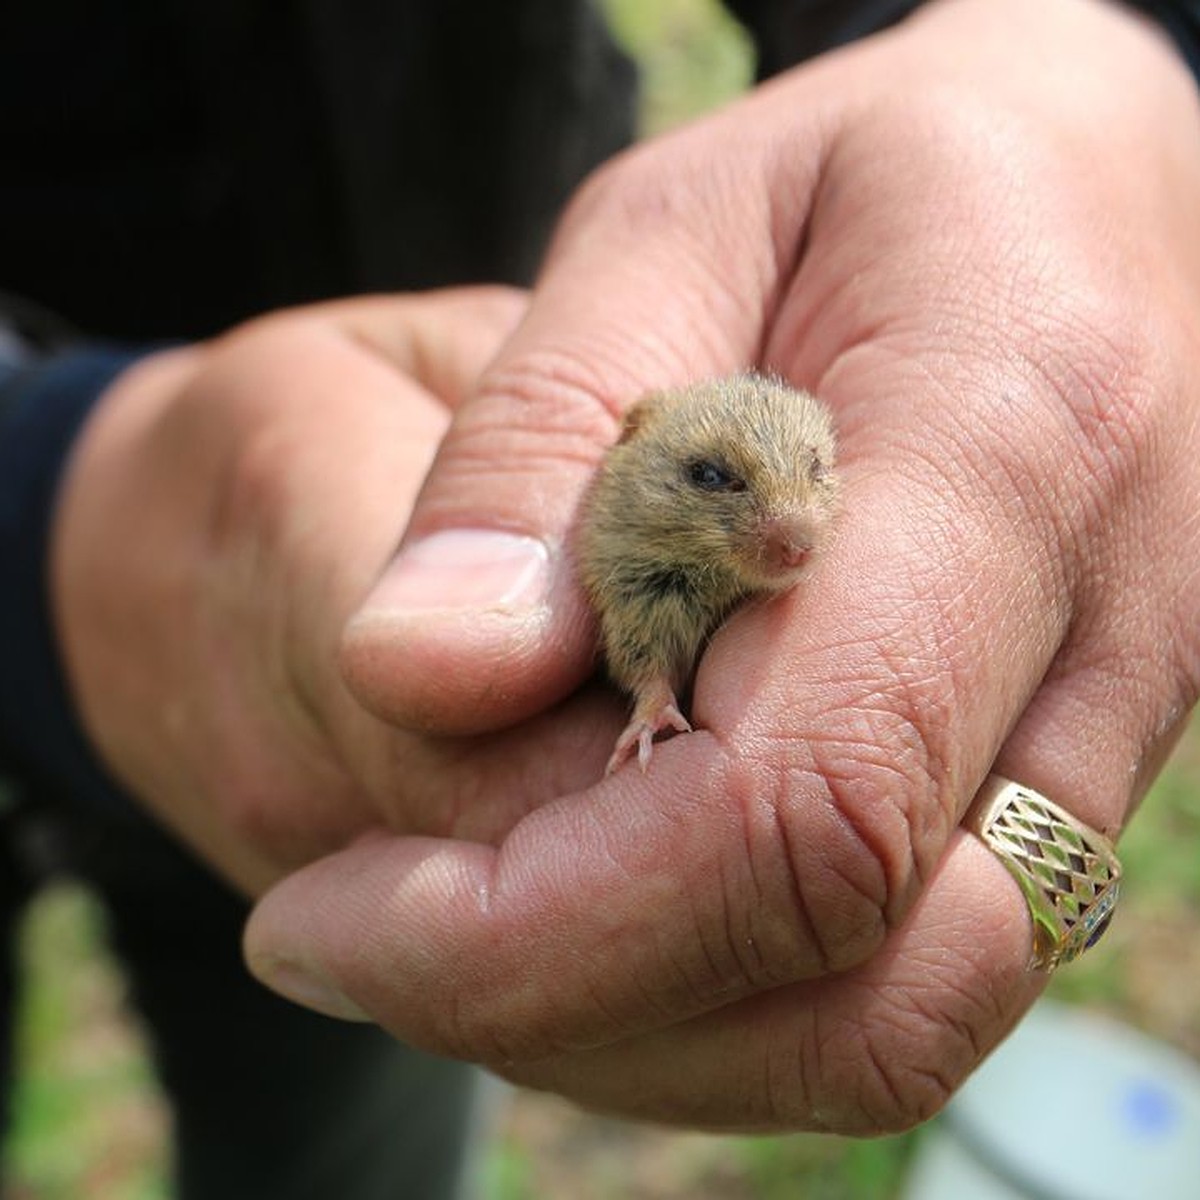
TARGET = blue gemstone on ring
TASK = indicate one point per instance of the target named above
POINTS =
(1099, 931)
(1097, 920)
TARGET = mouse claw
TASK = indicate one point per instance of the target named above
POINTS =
(657, 712)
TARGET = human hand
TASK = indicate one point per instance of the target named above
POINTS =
(975, 238)
(226, 507)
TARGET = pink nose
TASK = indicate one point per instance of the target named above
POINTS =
(786, 544)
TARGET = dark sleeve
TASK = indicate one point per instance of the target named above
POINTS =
(42, 406)
(788, 31)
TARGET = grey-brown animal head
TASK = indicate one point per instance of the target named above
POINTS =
(736, 472)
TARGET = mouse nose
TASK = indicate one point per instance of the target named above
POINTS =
(786, 543)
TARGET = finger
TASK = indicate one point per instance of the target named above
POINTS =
(200, 631)
(1119, 693)
(876, 1050)
(476, 789)
(442, 339)
(637, 294)
(317, 521)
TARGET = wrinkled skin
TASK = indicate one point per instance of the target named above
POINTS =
(979, 245)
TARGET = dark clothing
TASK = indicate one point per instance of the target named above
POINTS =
(168, 168)
(171, 168)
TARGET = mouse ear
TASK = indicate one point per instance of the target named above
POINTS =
(637, 416)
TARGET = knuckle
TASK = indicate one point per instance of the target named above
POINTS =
(1093, 356)
(1099, 432)
(840, 844)
(873, 803)
(546, 407)
(527, 441)
(464, 1028)
(761, 931)
(522, 447)
(895, 1091)
(551, 391)
(882, 1073)
(632, 191)
(885, 811)
(830, 883)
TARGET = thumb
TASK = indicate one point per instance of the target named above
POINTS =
(655, 278)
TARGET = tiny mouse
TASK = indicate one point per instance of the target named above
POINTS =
(713, 493)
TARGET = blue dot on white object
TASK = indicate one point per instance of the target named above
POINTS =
(1149, 1110)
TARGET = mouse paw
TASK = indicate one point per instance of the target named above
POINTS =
(656, 710)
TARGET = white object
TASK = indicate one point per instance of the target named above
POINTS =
(1073, 1106)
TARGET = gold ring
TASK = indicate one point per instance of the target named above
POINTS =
(1068, 872)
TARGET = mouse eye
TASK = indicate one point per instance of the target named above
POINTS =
(710, 477)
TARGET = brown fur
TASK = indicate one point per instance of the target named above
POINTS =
(713, 493)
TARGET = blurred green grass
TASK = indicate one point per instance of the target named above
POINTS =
(693, 56)
(88, 1118)
(91, 1124)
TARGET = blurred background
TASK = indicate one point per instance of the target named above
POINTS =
(90, 1123)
